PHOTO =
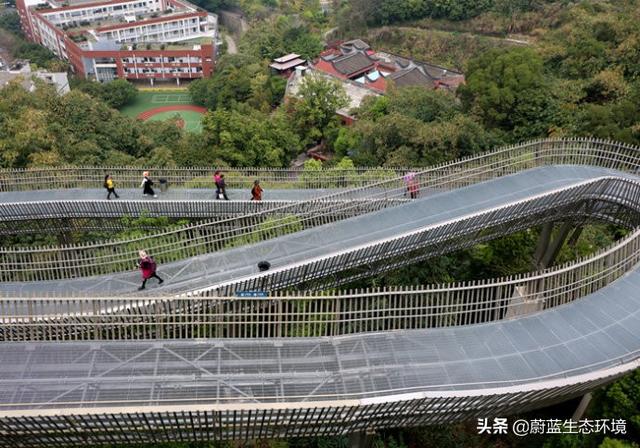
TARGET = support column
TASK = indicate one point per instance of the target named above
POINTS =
(543, 243)
(573, 239)
(554, 249)
(547, 250)
(362, 439)
(582, 407)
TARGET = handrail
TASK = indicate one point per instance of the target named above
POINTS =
(292, 314)
(25, 179)
(55, 262)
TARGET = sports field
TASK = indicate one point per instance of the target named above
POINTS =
(162, 105)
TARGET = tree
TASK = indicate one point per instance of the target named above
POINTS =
(246, 137)
(238, 79)
(117, 93)
(507, 90)
(424, 104)
(279, 35)
(10, 21)
(385, 12)
(622, 400)
(314, 110)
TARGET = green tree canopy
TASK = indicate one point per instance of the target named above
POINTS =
(238, 79)
(314, 109)
(116, 93)
(507, 90)
(246, 137)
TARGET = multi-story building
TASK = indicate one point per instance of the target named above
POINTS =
(131, 39)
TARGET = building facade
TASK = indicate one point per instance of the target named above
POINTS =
(130, 39)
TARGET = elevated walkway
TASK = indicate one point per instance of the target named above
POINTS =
(598, 332)
(497, 348)
(238, 265)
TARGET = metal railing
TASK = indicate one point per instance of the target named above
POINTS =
(130, 422)
(192, 177)
(55, 262)
(445, 237)
(288, 314)
(70, 209)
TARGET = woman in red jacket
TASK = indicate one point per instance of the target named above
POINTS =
(148, 267)
(256, 191)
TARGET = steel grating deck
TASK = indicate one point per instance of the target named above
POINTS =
(209, 270)
(599, 331)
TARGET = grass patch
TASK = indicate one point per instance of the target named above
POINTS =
(151, 99)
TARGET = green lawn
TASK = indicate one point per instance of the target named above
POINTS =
(192, 120)
(147, 100)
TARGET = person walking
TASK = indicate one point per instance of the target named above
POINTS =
(414, 188)
(216, 180)
(108, 184)
(148, 268)
(256, 191)
(412, 184)
(222, 187)
(146, 185)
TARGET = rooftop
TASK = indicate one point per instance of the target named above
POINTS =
(286, 58)
(121, 21)
(412, 76)
(355, 60)
(357, 44)
(178, 45)
(287, 65)
(352, 63)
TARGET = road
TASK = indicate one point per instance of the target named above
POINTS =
(232, 48)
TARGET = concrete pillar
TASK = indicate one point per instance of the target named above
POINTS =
(151, 81)
(582, 407)
(573, 239)
(522, 302)
(178, 81)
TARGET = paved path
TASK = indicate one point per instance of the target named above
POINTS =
(192, 194)
(239, 263)
(231, 44)
(599, 331)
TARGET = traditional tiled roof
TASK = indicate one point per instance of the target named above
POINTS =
(358, 44)
(286, 58)
(282, 66)
(412, 76)
(352, 63)
(379, 85)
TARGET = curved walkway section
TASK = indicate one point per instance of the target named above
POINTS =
(230, 269)
(183, 203)
(172, 194)
(500, 367)
(108, 391)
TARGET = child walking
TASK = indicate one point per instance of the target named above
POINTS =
(108, 184)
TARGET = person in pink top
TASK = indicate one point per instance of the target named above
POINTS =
(413, 186)
(216, 178)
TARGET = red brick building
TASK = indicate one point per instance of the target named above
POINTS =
(130, 39)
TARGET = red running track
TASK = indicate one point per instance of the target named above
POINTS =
(151, 112)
